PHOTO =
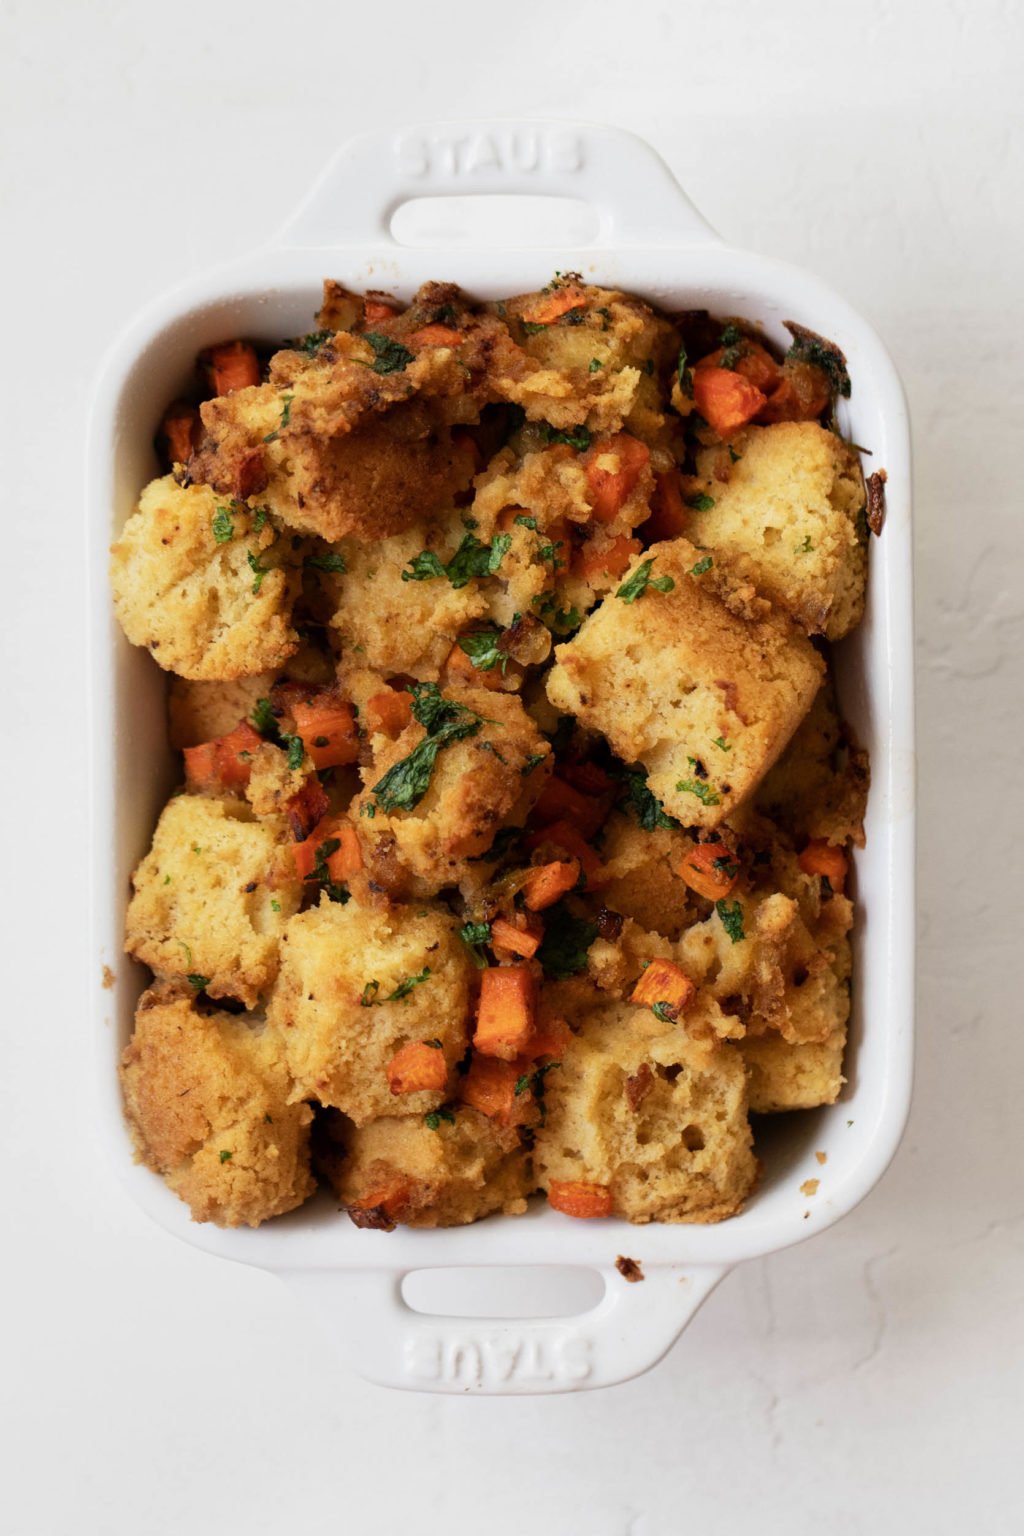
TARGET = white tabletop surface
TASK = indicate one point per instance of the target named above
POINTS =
(869, 1381)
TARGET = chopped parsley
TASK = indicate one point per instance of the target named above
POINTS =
(407, 781)
(666, 1012)
(809, 348)
(311, 342)
(579, 438)
(640, 580)
(369, 998)
(525, 521)
(286, 416)
(595, 364)
(484, 650)
(700, 502)
(644, 804)
(389, 356)
(806, 547)
(296, 750)
(262, 718)
(684, 375)
(223, 527)
(321, 875)
(550, 552)
(722, 745)
(471, 559)
(275, 906)
(258, 571)
(702, 566)
(328, 562)
(474, 936)
(433, 1120)
(197, 981)
(225, 1157)
(705, 794)
(563, 951)
(532, 763)
(731, 914)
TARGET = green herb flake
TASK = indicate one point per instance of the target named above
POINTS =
(731, 914)
(262, 718)
(734, 457)
(474, 936)
(311, 342)
(525, 521)
(684, 375)
(223, 527)
(579, 438)
(532, 763)
(197, 981)
(722, 745)
(471, 559)
(389, 356)
(704, 793)
(644, 804)
(407, 781)
(329, 562)
(484, 650)
(433, 1120)
(700, 502)
(595, 364)
(286, 416)
(666, 1012)
(640, 580)
(806, 547)
(225, 1157)
(702, 566)
(258, 571)
(275, 905)
(296, 750)
(563, 952)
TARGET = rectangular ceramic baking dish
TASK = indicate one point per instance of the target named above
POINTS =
(646, 237)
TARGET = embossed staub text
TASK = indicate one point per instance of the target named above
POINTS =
(512, 152)
(485, 1360)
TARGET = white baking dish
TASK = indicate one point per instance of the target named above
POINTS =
(649, 239)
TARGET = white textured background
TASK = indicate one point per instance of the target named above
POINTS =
(869, 1381)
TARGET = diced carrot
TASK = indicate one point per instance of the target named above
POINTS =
(559, 801)
(588, 777)
(668, 517)
(612, 466)
(225, 762)
(345, 861)
(578, 1198)
(546, 308)
(504, 1020)
(387, 1198)
(562, 834)
(664, 982)
(610, 561)
(180, 431)
(547, 883)
(375, 310)
(389, 712)
(230, 366)
(821, 858)
(327, 726)
(725, 399)
(458, 668)
(417, 1068)
(549, 1039)
(710, 869)
(490, 1087)
(436, 336)
(306, 808)
(518, 941)
(752, 360)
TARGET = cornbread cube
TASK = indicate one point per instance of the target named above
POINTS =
(819, 786)
(212, 897)
(789, 519)
(442, 1174)
(704, 700)
(640, 878)
(356, 984)
(198, 605)
(206, 1095)
(478, 785)
(784, 1076)
(199, 712)
(405, 626)
(654, 1111)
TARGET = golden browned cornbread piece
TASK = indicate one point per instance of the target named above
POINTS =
(212, 896)
(478, 785)
(404, 626)
(334, 1001)
(641, 879)
(704, 700)
(819, 786)
(655, 1111)
(401, 1170)
(630, 345)
(196, 604)
(784, 1076)
(202, 711)
(207, 1101)
(790, 519)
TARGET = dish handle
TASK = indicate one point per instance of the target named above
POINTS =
(385, 1341)
(636, 197)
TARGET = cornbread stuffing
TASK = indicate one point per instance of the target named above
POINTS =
(510, 850)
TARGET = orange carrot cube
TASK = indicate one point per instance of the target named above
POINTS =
(590, 563)
(546, 308)
(821, 858)
(725, 399)
(517, 941)
(327, 726)
(612, 466)
(668, 517)
(579, 1198)
(417, 1068)
(389, 712)
(505, 1012)
(490, 1087)
(436, 336)
(231, 365)
(663, 984)
(225, 762)
(548, 883)
(710, 869)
